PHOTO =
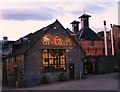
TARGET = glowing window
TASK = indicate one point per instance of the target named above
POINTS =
(54, 58)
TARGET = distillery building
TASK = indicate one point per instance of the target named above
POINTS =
(54, 53)
(90, 41)
(116, 40)
(95, 61)
(45, 55)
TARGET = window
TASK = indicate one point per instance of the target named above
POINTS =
(96, 51)
(119, 44)
(92, 43)
(53, 59)
(119, 35)
(10, 66)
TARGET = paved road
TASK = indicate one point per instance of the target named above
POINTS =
(93, 82)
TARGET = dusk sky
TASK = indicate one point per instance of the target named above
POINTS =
(21, 18)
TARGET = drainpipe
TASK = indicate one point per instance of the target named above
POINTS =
(81, 65)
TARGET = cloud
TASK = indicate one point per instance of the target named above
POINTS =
(95, 9)
(43, 13)
(77, 12)
(89, 8)
(48, 11)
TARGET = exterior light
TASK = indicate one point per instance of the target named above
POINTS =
(67, 50)
(46, 38)
(57, 38)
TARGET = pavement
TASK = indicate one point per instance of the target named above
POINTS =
(92, 82)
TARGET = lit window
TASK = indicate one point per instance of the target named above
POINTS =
(53, 59)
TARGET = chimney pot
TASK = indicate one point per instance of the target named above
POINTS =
(84, 20)
(75, 26)
(5, 38)
(111, 25)
(104, 22)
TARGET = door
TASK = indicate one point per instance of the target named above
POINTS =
(90, 67)
(71, 71)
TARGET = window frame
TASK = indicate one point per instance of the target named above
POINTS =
(92, 43)
(53, 63)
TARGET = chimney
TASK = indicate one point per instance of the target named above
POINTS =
(105, 38)
(5, 38)
(84, 20)
(112, 40)
(75, 26)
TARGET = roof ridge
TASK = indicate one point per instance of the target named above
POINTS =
(33, 41)
(81, 33)
(34, 38)
(92, 35)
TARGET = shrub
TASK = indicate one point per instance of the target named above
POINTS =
(61, 77)
(103, 72)
(45, 80)
(117, 69)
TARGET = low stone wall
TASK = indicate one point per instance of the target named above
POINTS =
(47, 78)
(108, 64)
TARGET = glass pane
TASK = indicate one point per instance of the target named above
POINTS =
(54, 58)
(50, 61)
(50, 56)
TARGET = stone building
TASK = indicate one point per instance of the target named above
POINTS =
(4, 52)
(46, 53)
(54, 51)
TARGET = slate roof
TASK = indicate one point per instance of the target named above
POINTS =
(85, 16)
(88, 34)
(6, 43)
(75, 22)
(117, 26)
(34, 37)
(69, 31)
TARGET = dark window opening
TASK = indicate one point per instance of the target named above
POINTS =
(92, 43)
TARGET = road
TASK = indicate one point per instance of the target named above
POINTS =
(92, 82)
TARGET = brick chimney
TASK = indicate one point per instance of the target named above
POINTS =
(84, 20)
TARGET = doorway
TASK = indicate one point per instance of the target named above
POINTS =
(90, 68)
(71, 71)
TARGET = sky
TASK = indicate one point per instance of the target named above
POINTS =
(21, 17)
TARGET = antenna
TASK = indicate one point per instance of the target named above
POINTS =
(84, 11)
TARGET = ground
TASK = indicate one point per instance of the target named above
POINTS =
(92, 82)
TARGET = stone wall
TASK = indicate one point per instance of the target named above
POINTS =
(33, 59)
(108, 64)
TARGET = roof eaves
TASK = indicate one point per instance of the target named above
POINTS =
(44, 30)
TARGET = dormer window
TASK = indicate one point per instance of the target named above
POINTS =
(55, 28)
